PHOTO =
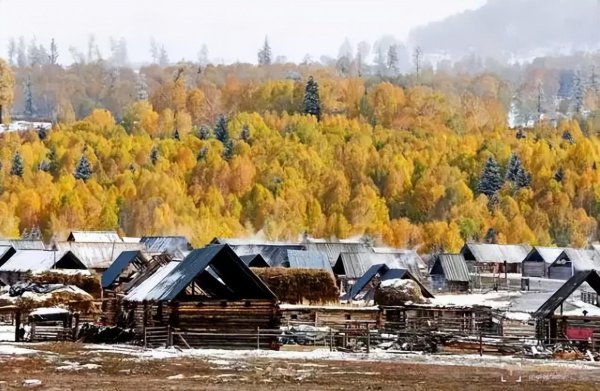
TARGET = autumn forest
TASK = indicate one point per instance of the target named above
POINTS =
(280, 150)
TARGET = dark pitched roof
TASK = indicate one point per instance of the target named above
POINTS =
(452, 266)
(254, 260)
(355, 265)
(217, 271)
(548, 308)
(274, 254)
(385, 273)
(124, 259)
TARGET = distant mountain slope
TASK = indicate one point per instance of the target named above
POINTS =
(520, 27)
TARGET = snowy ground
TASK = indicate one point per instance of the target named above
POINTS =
(7, 333)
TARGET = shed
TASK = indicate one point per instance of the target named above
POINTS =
(8, 248)
(539, 259)
(254, 260)
(94, 236)
(308, 260)
(450, 272)
(571, 261)
(491, 258)
(373, 278)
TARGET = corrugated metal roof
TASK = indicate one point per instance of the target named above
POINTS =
(94, 236)
(497, 253)
(274, 254)
(121, 263)
(19, 244)
(222, 273)
(333, 249)
(308, 260)
(98, 255)
(582, 259)
(548, 308)
(453, 266)
(140, 292)
(355, 265)
(176, 246)
(548, 254)
(39, 260)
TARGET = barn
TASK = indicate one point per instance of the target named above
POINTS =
(495, 258)
(539, 259)
(450, 273)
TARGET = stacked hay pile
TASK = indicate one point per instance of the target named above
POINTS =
(295, 286)
(398, 292)
(64, 296)
(89, 283)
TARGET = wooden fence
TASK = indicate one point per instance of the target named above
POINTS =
(50, 333)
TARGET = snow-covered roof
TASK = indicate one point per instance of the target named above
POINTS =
(582, 259)
(549, 254)
(98, 255)
(94, 236)
(496, 253)
(41, 260)
(140, 292)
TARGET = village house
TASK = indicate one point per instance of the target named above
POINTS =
(209, 284)
(450, 273)
(495, 258)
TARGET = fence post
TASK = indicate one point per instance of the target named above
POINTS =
(330, 339)
(258, 338)
(480, 343)
(169, 336)
(368, 338)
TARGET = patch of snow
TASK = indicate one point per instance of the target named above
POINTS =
(30, 383)
(10, 350)
(48, 311)
(520, 316)
(176, 377)
(75, 366)
(396, 283)
(490, 299)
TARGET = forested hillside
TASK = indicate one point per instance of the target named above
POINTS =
(230, 151)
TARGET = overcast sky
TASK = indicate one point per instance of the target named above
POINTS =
(231, 29)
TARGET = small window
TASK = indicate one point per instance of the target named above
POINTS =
(348, 317)
(294, 317)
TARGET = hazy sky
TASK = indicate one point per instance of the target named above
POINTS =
(232, 30)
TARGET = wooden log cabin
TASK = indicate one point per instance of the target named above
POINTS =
(210, 299)
(554, 325)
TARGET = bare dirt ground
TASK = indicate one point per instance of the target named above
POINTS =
(73, 367)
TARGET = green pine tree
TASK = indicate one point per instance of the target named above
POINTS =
(312, 103)
(83, 170)
(221, 132)
(17, 165)
(491, 179)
